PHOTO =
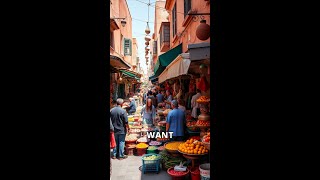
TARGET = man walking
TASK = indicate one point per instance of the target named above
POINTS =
(175, 122)
(120, 123)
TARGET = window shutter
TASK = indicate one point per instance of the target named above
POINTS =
(127, 47)
(130, 47)
(185, 7)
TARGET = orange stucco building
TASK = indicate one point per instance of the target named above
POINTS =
(121, 33)
(124, 74)
(179, 51)
(182, 26)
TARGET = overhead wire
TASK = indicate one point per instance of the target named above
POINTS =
(155, 6)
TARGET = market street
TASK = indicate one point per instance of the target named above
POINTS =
(160, 58)
(128, 169)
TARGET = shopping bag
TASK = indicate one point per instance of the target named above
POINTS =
(112, 141)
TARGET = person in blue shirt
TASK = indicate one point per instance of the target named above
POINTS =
(160, 97)
(132, 107)
(176, 122)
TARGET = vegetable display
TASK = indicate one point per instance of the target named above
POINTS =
(206, 138)
(191, 123)
(162, 139)
(152, 148)
(152, 157)
(173, 145)
(203, 99)
(131, 137)
(203, 123)
(154, 143)
(193, 146)
(142, 146)
(143, 139)
(170, 161)
(135, 130)
(177, 173)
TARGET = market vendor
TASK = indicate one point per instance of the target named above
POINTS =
(132, 106)
(148, 112)
(195, 106)
(168, 100)
(175, 122)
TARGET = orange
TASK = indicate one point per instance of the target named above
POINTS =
(199, 152)
(195, 151)
(203, 151)
(206, 151)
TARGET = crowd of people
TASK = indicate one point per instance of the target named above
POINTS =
(150, 99)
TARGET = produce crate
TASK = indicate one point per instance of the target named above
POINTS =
(151, 165)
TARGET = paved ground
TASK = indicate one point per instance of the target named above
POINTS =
(128, 169)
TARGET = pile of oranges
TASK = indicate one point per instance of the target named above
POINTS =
(192, 146)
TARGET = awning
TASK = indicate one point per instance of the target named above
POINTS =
(118, 63)
(130, 74)
(177, 67)
(165, 59)
(154, 80)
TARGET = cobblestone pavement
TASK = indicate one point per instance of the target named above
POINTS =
(128, 169)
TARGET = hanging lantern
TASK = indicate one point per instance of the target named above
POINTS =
(147, 38)
(203, 31)
(146, 43)
(147, 29)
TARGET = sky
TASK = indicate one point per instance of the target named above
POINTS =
(139, 13)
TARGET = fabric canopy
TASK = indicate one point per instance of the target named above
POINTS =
(118, 62)
(177, 67)
(165, 59)
(129, 74)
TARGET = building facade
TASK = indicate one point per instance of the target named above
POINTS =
(182, 25)
(123, 51)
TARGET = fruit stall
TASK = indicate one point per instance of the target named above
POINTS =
(188, 159)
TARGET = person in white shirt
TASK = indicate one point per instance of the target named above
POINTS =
(195, 105)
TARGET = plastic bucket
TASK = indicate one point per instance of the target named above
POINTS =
(205, 171)
(195, 175)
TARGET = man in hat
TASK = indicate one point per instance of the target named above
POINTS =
(175, 122)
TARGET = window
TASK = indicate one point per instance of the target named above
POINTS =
(155, 49)
(111, 39)
(187, 7)
(127, 47)
(165, 33)
(174, 20)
